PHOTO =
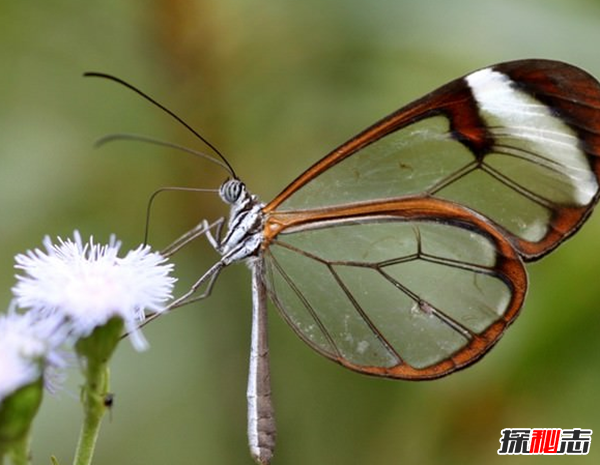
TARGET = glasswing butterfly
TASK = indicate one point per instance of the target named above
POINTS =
(401, 253)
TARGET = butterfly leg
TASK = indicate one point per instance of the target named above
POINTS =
(210, 276)
(215, 240)
(201, 229)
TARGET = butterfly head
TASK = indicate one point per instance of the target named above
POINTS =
(232, 190)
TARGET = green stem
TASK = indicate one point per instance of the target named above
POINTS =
(17, 412)
(19, 452)
(93, 394)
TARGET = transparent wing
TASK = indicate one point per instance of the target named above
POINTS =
(518, 142)
(407, 289)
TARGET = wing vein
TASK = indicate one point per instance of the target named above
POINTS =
(433, 310)
(518, 188)
(305, 303)
(363, 315)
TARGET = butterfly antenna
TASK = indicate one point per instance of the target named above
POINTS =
(166, 110)
(151, 140)
(160, 191)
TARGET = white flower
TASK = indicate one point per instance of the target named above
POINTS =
(89, 284)
(27, 348)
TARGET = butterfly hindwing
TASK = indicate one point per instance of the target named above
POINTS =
(408, 289)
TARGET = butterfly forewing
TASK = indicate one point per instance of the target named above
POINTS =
(516, 142)
(410, 289)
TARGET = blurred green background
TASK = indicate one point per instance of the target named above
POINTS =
(275, 85)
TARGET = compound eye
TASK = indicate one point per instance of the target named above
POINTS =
(231, 190)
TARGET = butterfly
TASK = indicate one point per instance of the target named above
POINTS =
(401, 253)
